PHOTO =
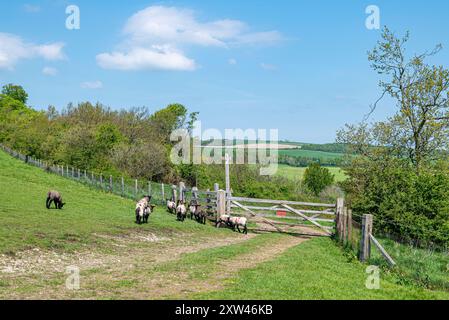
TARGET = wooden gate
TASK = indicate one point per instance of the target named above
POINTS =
(267, 215)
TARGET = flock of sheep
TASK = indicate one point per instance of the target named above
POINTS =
(144, 209)
(194, 211)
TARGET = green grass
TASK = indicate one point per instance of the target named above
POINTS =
(297, 173)
(316, 269)
(323, 156)
(426, 268)
(26, 223)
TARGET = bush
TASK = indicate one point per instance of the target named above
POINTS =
(317, 178)
(409, 206)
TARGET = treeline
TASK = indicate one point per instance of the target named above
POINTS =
(131, 143)
(306, 161)
(328, 147)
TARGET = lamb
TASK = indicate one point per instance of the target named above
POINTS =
(200, 214)
(239, 222)
(223, 219)
(54, 196)
(171, 206)
(143, 210)
(181, 211)
(193, 208)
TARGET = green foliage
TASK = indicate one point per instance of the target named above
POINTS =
(15, 92)
(409, 206)
(317, 178)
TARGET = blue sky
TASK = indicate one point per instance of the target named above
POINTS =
(298, 66)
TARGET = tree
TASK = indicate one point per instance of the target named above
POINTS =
(317, 178)
(15, 92)
(421, 92)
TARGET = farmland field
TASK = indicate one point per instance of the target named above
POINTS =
(117, 259)
(297, 173)
(311, 154)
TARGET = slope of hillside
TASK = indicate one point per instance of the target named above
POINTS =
(117, 259)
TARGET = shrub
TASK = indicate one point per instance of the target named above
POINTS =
(317, 178)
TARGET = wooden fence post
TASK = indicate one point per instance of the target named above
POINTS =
(349, 227)
(174, 194)
(228, 184)
(344, 222)
(111, 185)
(79, 174)
(182, 191)
(163, 192)
(365, 245)
(101, 181)
(338, 212)
(136, 188)
(221, 203)
(149, 188)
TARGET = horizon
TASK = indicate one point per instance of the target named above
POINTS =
(290, 66)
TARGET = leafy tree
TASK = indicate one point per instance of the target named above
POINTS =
(421, 92)
(15, 92)
(317, 178)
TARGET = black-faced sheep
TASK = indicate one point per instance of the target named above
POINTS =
(200, 214)
(193, 207)
(223, 219)
(181, 211)
(171, 206)
(143, 210)
(239, 222)
(54, 196)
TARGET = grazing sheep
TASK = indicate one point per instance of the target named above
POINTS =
(181, 211)
(147, 212)
(54, 196)
(239, 222)
(171, 206)
(200, 214)
(193, 207)
(223, 219)
(142, 207)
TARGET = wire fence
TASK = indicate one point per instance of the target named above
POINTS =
(122, 186)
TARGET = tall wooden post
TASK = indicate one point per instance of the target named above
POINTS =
(79, 174)
(338, 212)
(221, 204)
(163, 192)
(174, 194)
(349, 227)
(136, 189)
(365, 245)
(182, 191)
(111, 185)
(149, 188)
(228, 184)
(123, 187)
(344, 222)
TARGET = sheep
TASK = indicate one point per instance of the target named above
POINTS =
(171, 206)
(239, 222)
(223, 219)
(193, 207)
(142, 213)
(200, 214)
(181, 211)
(54, 196)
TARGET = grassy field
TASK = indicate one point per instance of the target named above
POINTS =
(311, 154)
(297, 173)
(118, 259)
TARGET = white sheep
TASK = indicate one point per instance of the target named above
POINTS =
(171, 206)
(239, 222)
(223, 219)
(181, 211)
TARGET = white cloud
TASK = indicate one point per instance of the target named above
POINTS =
(268, 67)
(92, 85)
(31, 8)
(155, 35)
(155, 58)
(49, 71)
(14, 49)
(232, 62)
